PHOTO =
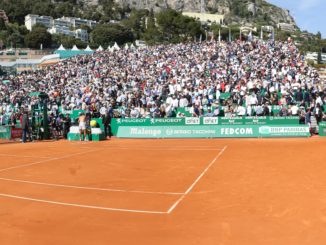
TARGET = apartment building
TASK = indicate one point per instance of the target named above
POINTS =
(64, 25)
(33, 19)
(77, 22)
(79, 33)
(286, 27)
(313, 56)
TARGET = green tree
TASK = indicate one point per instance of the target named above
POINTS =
(64, 9)
(86, 27)
(106, 34)
(38, 36)
(15, 40)
(91, 13)
(66, 41)
(2, 25)
(176, 28)
(166, 23)
(108, 10)
(23, 30)
(152, 35)
(43, 8)
(136, 22)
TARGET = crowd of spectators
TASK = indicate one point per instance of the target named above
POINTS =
(210, 78)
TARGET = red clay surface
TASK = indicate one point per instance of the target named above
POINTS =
(205, 191)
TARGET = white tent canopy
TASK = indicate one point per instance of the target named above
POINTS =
(100, 48)
(132, 46)
(61, 47)
(126, 46)
(88, 48)
(116, 46)
(74, 48)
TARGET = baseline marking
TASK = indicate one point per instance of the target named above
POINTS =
(82, 206)
(12, 155)
(91, 188)
(165, 149)
(196, 181)
(46, 160)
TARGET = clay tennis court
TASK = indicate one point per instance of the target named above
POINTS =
(204, 191)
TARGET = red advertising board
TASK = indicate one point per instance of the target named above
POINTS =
(16, 133)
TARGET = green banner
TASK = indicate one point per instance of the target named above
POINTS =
(212, 131)
(322, 129)
(5, 132)
(284, 131)
(173, 121)
(149, 121)
(259, 120)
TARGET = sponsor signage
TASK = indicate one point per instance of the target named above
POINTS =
(204, 121)
(322, 129)
(211, 131)
(16, 133)
(210, 120)
(4, 132)
(207, 121)
(192, 120)
(284, 131)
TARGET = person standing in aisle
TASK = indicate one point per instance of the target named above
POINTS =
(25, 125)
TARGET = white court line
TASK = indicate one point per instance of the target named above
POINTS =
(12, 155)
(91, 188)
(82, 206)
(196, 181)
(46, 160)
(106, 208)
(162, 149)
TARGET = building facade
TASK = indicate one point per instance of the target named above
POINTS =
(64, 25)
(79, 33)
(286, 27)
(33, 19)
(77, 22)
(206, 18)
(313, 56)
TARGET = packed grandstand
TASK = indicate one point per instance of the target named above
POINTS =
(210, 79)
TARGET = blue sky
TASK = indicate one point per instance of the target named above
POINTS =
(309, 15)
